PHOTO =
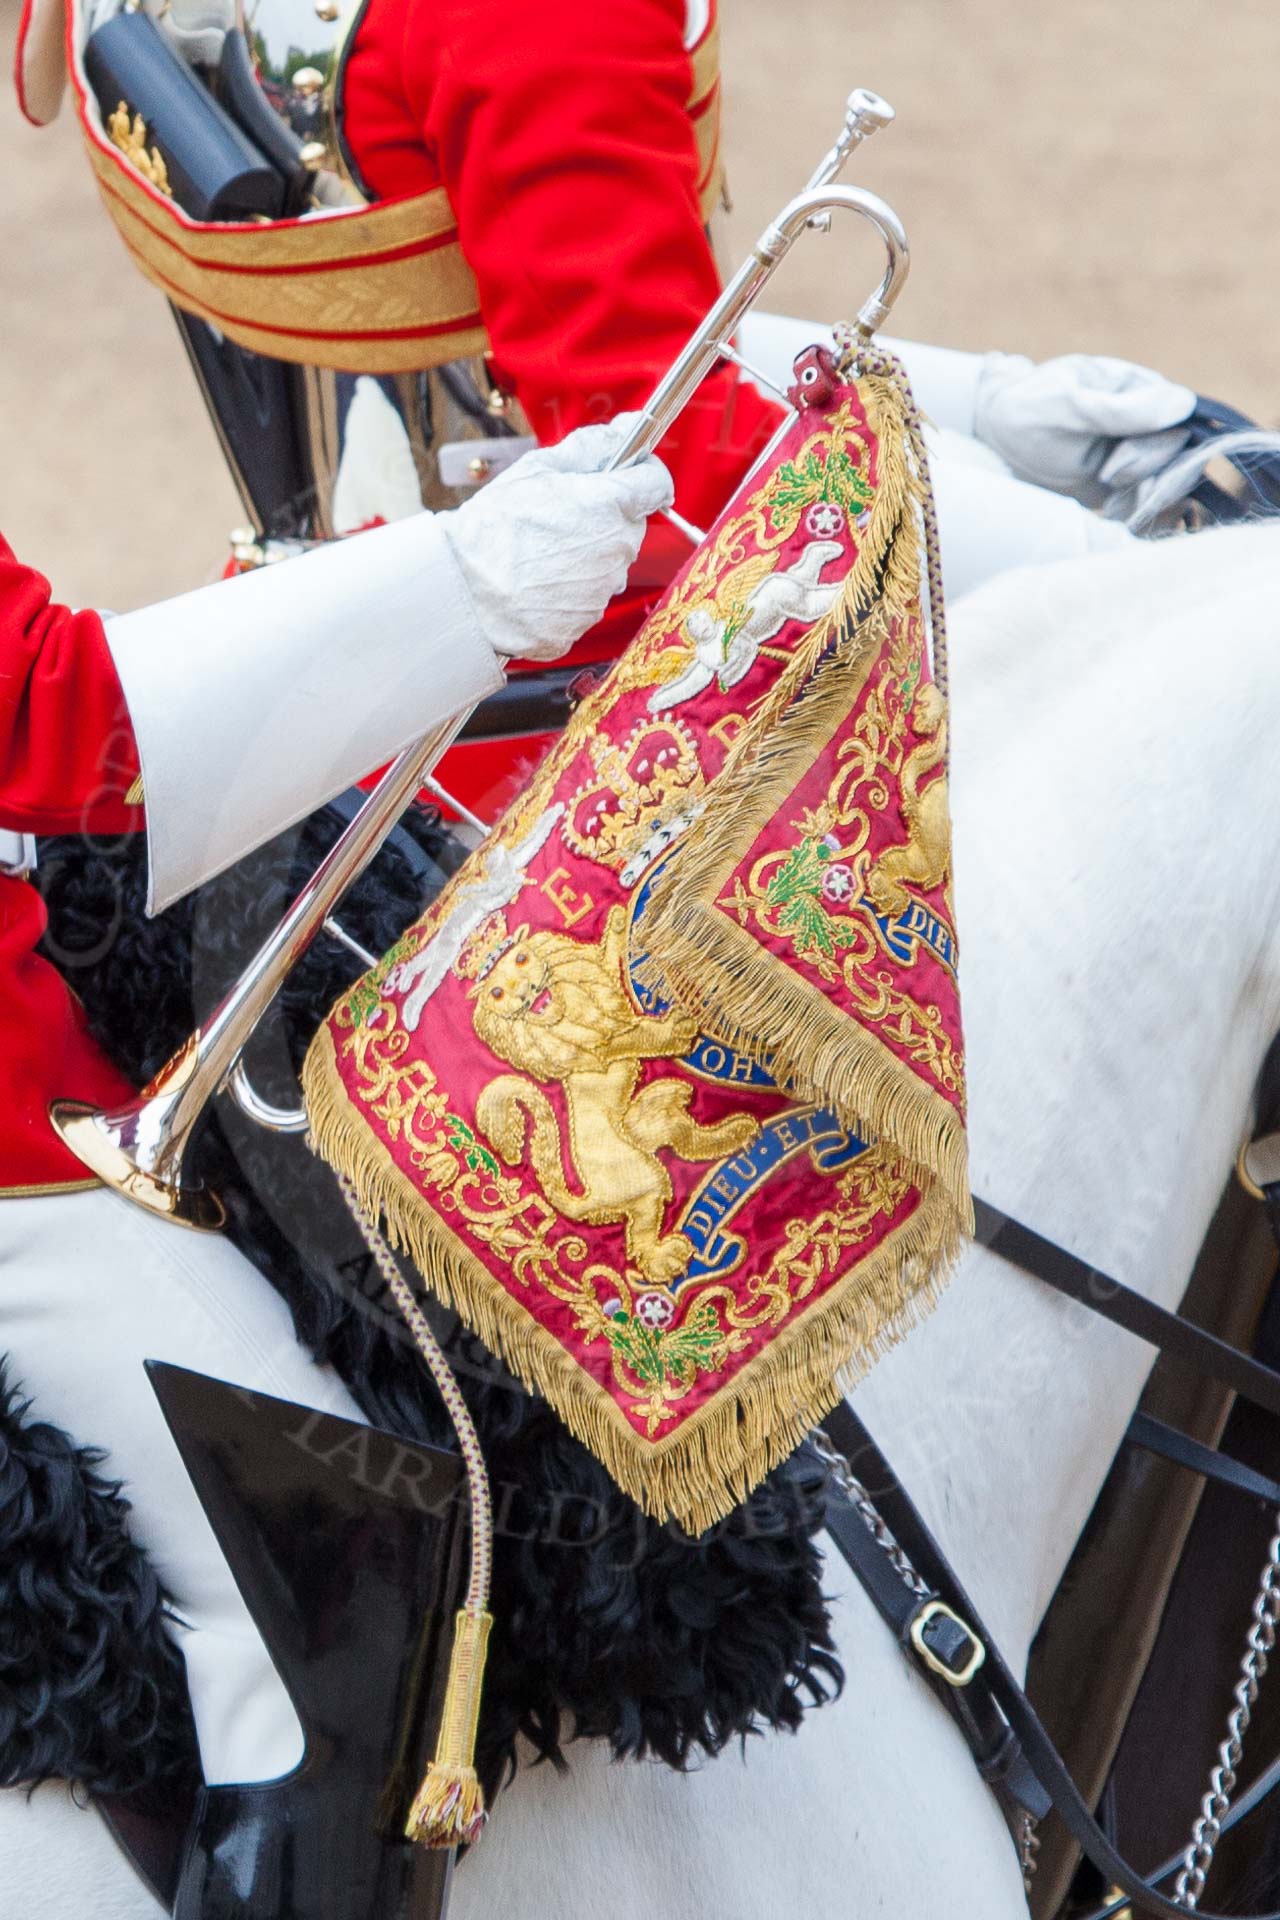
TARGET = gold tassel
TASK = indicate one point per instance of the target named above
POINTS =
(448, 1809)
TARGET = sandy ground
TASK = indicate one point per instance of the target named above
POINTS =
(1097, 176)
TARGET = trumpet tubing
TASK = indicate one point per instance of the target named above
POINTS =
(140, 1149)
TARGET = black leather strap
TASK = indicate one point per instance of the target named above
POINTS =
(1263, 1787)
(993, 1687)
(990, 1739)
(1068, 1274)
(1172, 1444)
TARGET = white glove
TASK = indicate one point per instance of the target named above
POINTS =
(545, 546)
(1082, 424)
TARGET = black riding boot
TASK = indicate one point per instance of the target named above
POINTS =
(348, 1546)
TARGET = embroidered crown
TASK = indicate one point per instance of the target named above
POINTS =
(635, 782)
(485, 948)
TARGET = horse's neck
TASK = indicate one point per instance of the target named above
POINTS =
(1117, 876)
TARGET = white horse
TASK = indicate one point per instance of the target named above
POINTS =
(1119, 898)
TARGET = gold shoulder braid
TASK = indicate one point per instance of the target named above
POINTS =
(382, 288)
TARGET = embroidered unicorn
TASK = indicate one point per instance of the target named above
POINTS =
(499, 883)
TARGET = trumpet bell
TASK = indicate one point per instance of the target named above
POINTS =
(137, 1149)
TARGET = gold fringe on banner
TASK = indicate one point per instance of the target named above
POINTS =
(701, 1472)
(706, 961)
(715, 970)
(885, 574)
(911, 1176)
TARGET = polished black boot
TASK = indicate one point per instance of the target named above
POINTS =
(349, 1548)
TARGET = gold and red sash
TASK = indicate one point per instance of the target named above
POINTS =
(665, 1092)
(368, 289)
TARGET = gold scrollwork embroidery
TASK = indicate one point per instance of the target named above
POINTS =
(828, 895)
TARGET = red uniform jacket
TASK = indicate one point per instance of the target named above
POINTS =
(560, 132)
(67, 760)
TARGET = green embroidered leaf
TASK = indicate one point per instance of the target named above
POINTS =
(800, 873)
(808, 924)
(364, 996)
(695, 1347)
(801, 484)
(638, 1347)
(796, 891)
(360, 1002)
(672, 1356)
(461, 1138)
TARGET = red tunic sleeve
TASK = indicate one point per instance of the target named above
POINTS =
(67, 754)
(562, 135)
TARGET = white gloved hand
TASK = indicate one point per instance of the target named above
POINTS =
(1083, 424)
(545, 546)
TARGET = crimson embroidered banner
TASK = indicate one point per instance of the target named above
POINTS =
(665, 1091)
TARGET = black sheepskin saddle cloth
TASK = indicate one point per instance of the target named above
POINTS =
(608, 1625)
(91, 1686)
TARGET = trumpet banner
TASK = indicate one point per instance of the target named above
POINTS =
(665, 1092)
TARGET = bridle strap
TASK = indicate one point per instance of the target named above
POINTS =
(1172, 1444)
(1075, 1278)
(993, 1689)
(963, 1666)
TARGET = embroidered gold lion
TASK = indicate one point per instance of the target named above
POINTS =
(555, 1007)
(924, 858)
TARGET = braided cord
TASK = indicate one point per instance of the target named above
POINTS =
(442, 1373)
(859, 355)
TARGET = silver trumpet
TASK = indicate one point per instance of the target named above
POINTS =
(140, 1149)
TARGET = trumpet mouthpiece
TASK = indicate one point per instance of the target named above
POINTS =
(864, 114)
(867, 112)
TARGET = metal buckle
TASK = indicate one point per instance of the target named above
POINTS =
(1258, 1164)
(938, 1609)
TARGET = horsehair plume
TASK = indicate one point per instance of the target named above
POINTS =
(449, 1808)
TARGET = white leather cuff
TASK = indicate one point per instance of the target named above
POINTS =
(255, 700)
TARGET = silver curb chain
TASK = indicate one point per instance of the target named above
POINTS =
(1223, 1779)
(841, 1471)
(860, 1500)
(1259, 1643)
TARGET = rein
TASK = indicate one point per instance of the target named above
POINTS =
(915, 1589)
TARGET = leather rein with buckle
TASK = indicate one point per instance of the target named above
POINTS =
(918, 1594)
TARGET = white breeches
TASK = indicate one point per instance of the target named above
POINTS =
(90, 1287)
